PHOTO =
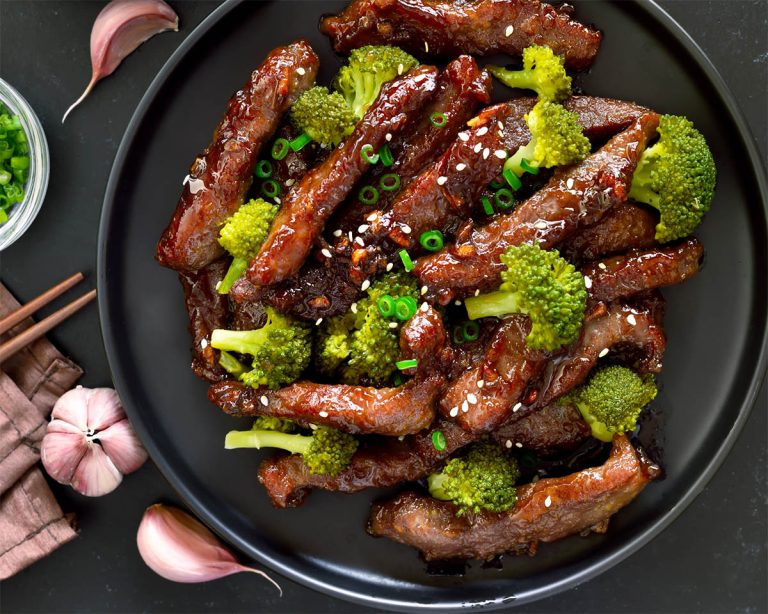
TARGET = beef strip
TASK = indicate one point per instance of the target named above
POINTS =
(553, 429)
(221, 176)
(574, 196)
(313, 199)
(626, 226)
(637, 270)
(446, 27)
(207, 310)
(424, 338)
(353, 409)
(376, 464)
(547, 510)
(445, 193)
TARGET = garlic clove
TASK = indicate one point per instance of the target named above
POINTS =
(123, 446)
(62, 451)
(95, 474)
(72, 407)
(104, 409)
(179, 548)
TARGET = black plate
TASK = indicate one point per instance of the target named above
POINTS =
(716, 322)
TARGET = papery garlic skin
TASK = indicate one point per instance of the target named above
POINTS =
(179, 548)
(89, 443)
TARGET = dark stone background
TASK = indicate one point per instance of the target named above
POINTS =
(711, 559)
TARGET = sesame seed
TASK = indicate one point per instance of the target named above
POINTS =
(454, 411)
(264, 400)
(601, 265)
(204, 343)
(442, 180)
(542, 225)
(425, 307)
(372, 217)
(326, 252)
(277, 200)
(426, 46)
(457, 302)
(472, 398)
(401, 438)
(337, 232)
(406, 229)
(424, 289)
(349, 234)
(218, 283)
(500, 153)
(323, 414)
(353, 307)
(518, 444)
(517, 407)
(587, 282)
(461, 166)
(400, 69)
(366, 285)
(464, 136)
(631, 319)
(500, 124)
(362, 228)
(390, 266)
(508, 443)
(465, 407)
(569, 183)
(603, 352)
(486, 153)
(319, 321)
(477, 292)
(510, 29)
(393, 324)
(388, 136)
(360, 241)
(480, 383)
(482, 131)
(548, 501)
(301, 71)
(289, 182)
(478, 147)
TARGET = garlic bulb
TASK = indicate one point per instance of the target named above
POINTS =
(179, 548)
(89, 443)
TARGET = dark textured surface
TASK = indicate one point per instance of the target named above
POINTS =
(713, 558)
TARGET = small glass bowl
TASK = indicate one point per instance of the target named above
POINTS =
(22, 214)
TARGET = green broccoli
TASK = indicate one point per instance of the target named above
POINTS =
(231, 364)
(543, 72)
(612, 399)
(484, 479)
(363, 345)
(242, 236)
(543, 286)
(557, 139)
(270, 423)
(676, 176)
(323, 115)
(281, 349)
(326, 451)
(368, 69)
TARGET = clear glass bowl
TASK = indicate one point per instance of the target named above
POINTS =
(22, 214)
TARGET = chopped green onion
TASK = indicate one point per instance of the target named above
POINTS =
(438, 440)
(368, 195)
(270, 188)
(386, 305)
(458, 337)
(512, 179)
(367, 154)
(398, 379)
(264, 169)
(407, 262)
(300, 141)
(280, 149)
(495, 185)
(389, 182)
(504, 199)
(470, 330)
(5, 177)
(487, 206)
(432, 240)
(405, 308)
(385, 155)
(438, 120)
(526, 165)
(406, 364)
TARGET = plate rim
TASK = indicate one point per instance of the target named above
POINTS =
(758, 169)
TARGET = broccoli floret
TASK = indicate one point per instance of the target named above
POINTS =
(543, 72)
(557, 139)
(281, 349)
(326, 451)
(543, 286)
(325, 116)
(242, 236)
(676, 176)
(270, 423)
(362, 345)
(484, 479)
(368, 69)
(612, 399)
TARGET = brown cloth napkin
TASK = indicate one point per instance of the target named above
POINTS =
(32, 524)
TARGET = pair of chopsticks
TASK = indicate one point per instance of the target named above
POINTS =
(23, 339)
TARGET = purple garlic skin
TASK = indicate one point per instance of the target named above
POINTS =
(119, 29)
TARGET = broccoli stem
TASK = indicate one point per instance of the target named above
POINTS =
(526, 152)
(435, 482)
(231, 364)
(295, 444)
(492, 304)
(236, 269)
(522, 79)
(240, 341)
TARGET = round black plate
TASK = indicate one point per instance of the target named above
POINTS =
(716, 322)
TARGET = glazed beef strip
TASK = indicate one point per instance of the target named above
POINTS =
(545, 511)
(313, 199)
(638, 270)
(626, 226)
(424, 338)
(353, 409)
(445, 193)
(553, 429)
(221, 176)
(207, 310)
(574, 196)
(446, 27)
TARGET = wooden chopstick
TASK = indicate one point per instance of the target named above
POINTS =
(9, 348)
(13, 318)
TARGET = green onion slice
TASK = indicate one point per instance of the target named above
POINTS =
(385, 155)
(528, 167)
(367, 154)
(512, 179)
(495, 185)
(438, 119)
(432, 240)
(398, 379)
(438, 440)
(487, 206)
(405, 308)
(386, 305)
(407, 262)
(280, 149)
(300, 141)
(270, 188)
(458, 337)
(264, 169)
(368, 195)
(470, 330)
(504, 198)
(389, 182)
(406, 364)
